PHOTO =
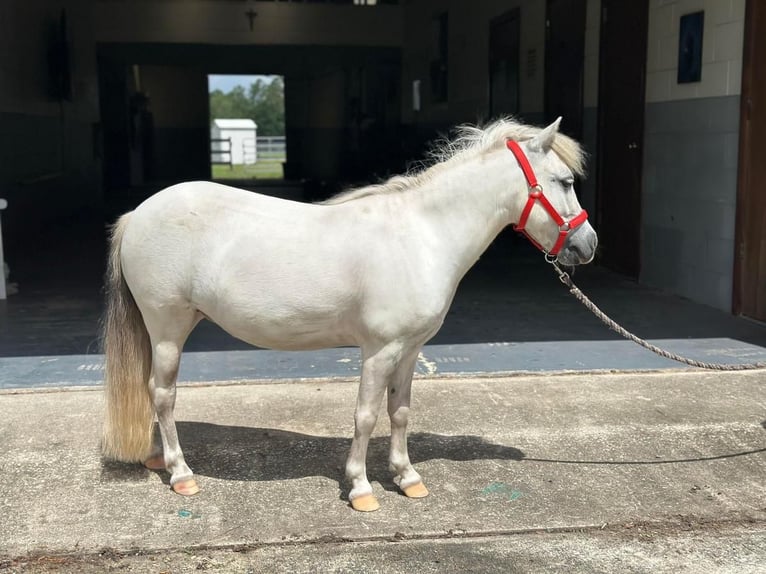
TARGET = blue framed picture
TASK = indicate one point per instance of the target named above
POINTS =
(690, 47)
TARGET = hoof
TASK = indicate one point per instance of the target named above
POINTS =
(365, 503)
(157, 462)
(186, 487)
(417, 490)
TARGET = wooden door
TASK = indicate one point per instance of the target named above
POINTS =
(504, 64)
(564, 63)
(750, 256)
(622, 73)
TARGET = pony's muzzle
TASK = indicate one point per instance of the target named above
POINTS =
(580, 246)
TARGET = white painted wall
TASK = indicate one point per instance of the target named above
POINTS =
(723, 35)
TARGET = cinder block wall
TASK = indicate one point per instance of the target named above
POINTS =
(690, 154)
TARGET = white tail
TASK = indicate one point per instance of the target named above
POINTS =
(129, 413)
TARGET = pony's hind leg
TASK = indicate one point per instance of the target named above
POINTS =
(167, 339)
(399, 392)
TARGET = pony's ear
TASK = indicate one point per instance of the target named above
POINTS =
(544, 140)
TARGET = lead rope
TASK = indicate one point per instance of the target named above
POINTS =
(567, 280)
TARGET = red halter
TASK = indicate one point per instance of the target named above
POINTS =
(536, 194)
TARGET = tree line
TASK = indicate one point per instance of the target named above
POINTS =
(263, 102)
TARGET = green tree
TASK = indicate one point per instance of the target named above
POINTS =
(234, 104)
(263, 102)
(269, 106)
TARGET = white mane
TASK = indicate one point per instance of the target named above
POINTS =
(469, 142)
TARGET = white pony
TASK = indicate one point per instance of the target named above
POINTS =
(375, 267)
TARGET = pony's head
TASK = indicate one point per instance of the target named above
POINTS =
(549, 212)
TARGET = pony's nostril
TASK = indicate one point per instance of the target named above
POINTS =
(578, 251)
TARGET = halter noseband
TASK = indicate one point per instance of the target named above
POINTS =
(536, 194)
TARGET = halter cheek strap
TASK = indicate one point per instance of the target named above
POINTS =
(536, 194)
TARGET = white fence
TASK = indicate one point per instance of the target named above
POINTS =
(267, 148)
(249, 154)
(271, 146)
(220, 151)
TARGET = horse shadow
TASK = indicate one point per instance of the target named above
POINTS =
(264, 454)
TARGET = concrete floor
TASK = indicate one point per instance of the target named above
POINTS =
(610, 472)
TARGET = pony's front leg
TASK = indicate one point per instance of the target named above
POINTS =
(166, 357)
(399, 392)
(376, 371)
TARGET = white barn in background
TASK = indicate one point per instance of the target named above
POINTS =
(232, 141)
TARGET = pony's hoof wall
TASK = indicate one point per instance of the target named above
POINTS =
(157, 462)
(365, 503)
(186, 487)
(417, 490)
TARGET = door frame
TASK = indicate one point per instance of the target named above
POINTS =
(744, 188)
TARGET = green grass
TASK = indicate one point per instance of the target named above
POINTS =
(265, 168)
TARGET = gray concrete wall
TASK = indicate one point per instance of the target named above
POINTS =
(689, 197)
